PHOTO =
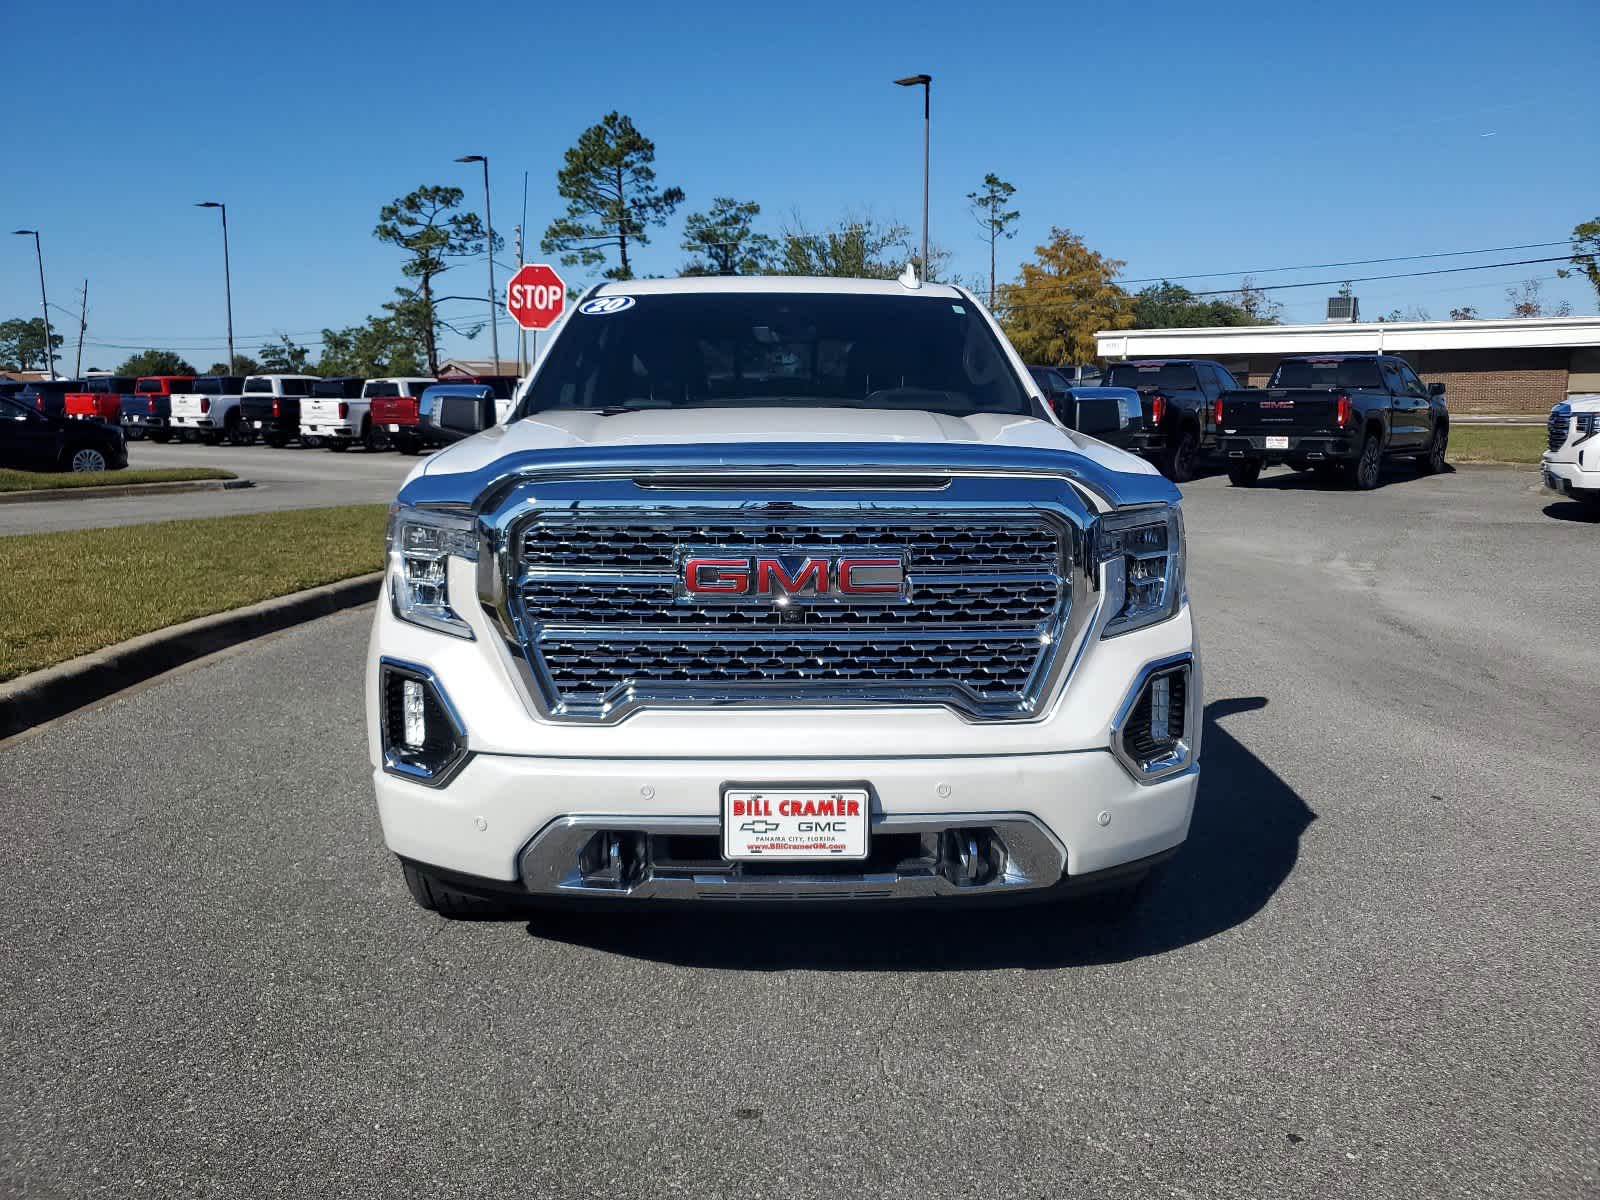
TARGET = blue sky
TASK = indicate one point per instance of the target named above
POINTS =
(1183, 138)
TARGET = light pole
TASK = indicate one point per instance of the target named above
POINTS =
(925, 82)
(488, 220)
(44, 302)
(227, 273)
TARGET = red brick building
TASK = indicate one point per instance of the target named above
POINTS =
(1488, 367)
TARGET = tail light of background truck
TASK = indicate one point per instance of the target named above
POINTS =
(1158, 408)
(1342, 411)
(150, 404)
(344, 410)
(1216, 412)
(205, 404)
(277, 409)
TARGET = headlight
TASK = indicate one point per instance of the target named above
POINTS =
(1142, 550)
(421, 545)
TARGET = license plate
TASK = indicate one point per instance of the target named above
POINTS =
(394, 429)
(784, 823)
(1277, 443)
(259, 424)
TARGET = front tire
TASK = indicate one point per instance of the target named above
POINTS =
(374, 438)
(435, 895)
(1366, 470)
(1244, 474)
(1178, 463)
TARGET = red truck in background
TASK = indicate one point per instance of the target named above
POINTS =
(397, 412)
(401, 416)
(100, 396)
(149, 409)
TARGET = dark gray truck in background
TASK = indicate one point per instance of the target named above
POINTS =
(1340, 415)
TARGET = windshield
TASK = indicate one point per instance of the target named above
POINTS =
(149, 385)
(217, 385)
(1171, 377)
(257, 387)
(1327, 373)
(779, 349)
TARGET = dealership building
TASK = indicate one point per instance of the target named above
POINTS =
(1512, 366)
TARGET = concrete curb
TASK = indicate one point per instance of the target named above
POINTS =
(42, 696)
(126, 489)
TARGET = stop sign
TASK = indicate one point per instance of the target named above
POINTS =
(536, 296)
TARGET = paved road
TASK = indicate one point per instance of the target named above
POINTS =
(289, 478)
(1373, 972)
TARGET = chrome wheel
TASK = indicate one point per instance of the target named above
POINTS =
(88, 460)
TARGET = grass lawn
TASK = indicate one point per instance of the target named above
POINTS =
(85, 589)
(1497, 443)
(34, 481)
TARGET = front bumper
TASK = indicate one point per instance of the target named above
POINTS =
(514, 818)
(1570, 479)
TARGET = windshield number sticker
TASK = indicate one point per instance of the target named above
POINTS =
(604, 306)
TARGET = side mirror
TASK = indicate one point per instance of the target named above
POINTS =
(1436, 389)
(458, 411)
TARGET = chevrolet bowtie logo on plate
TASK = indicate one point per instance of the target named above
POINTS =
(736, 575)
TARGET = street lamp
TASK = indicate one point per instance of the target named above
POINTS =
(488, 220)
(44, 302)
(925, 82)
(227, 273)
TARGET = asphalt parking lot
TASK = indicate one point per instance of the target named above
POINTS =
(1373, 971)
(290, 478)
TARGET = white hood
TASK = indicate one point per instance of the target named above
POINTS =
(710, 426)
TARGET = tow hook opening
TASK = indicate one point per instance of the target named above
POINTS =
(613, 859)
(971, 857)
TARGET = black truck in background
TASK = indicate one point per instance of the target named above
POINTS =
(1340, 415)
(1179, 399)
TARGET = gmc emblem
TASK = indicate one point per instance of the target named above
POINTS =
(727, 575)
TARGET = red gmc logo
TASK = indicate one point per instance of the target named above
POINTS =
(719, 575)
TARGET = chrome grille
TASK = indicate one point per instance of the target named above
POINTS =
(592, 598)
(1018, 602)
(1560, 426)
(633, 545)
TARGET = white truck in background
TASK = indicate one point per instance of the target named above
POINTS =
(1571, 465)
(342, 423)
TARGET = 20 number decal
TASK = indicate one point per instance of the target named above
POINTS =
(604, 306)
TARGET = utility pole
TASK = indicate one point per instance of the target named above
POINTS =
(925, 82)
(83, 324)
(44, 301)
(227, 273)
(522, 334)
(488, 220)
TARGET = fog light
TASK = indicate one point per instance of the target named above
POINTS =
(423, 737)
(1151, 734)
(416, 721)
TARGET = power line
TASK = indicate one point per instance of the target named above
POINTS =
(1355, 262)
(1036, 301)
(1278, 287)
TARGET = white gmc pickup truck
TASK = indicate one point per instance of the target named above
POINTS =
(779, 591)
(1571, 465)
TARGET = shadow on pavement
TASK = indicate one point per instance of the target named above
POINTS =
(1572, 510)
(1243, 842)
